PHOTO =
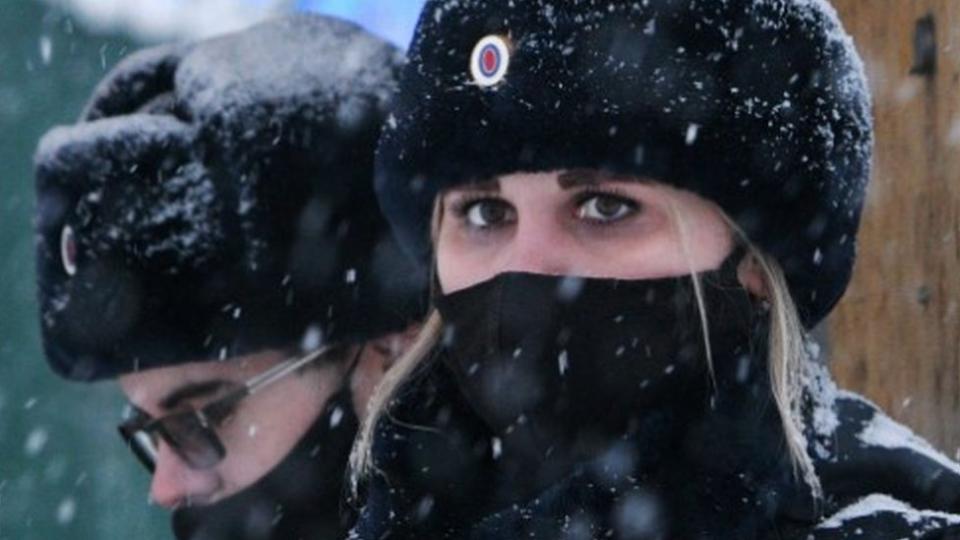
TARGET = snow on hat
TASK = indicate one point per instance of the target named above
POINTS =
(758, 105)
(215, 199)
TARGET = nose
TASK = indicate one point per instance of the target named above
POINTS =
(541, 246)
(174, 483)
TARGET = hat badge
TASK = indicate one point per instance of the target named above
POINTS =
(490, 60)
(68, 250)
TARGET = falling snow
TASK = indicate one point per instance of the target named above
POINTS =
(336, 416)
(312, 338)
(66, 511)
(46, 49)
(691, 136)
(36, 441)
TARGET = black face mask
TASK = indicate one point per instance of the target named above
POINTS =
(299, 498)
(561, 367)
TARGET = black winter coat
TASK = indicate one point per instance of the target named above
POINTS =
(680, 475)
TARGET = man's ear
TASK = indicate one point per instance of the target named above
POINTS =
(751, 276)
(377, 357)
(391, 347)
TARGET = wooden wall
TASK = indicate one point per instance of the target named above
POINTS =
(896, 335)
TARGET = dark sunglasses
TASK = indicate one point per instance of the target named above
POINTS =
(191, 433)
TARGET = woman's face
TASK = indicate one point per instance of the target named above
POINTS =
(576, 222)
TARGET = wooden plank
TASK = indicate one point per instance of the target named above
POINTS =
(896, 335)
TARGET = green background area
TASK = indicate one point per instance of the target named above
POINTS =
(64, 473)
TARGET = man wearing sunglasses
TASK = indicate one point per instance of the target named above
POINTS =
(207, 234)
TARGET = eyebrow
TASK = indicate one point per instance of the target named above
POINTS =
(575, 178)
(569, 179)
(491, 184)
(193, 391)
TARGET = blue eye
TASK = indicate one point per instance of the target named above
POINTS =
(605, 208)
(487, 213)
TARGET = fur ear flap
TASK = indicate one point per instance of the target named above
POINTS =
(135, 82)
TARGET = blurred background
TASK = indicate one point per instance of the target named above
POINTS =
(895, 337)
(64, 473)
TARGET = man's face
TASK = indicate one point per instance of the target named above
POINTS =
(260, 432)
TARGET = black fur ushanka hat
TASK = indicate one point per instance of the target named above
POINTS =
(216, 199)
(758, 105)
